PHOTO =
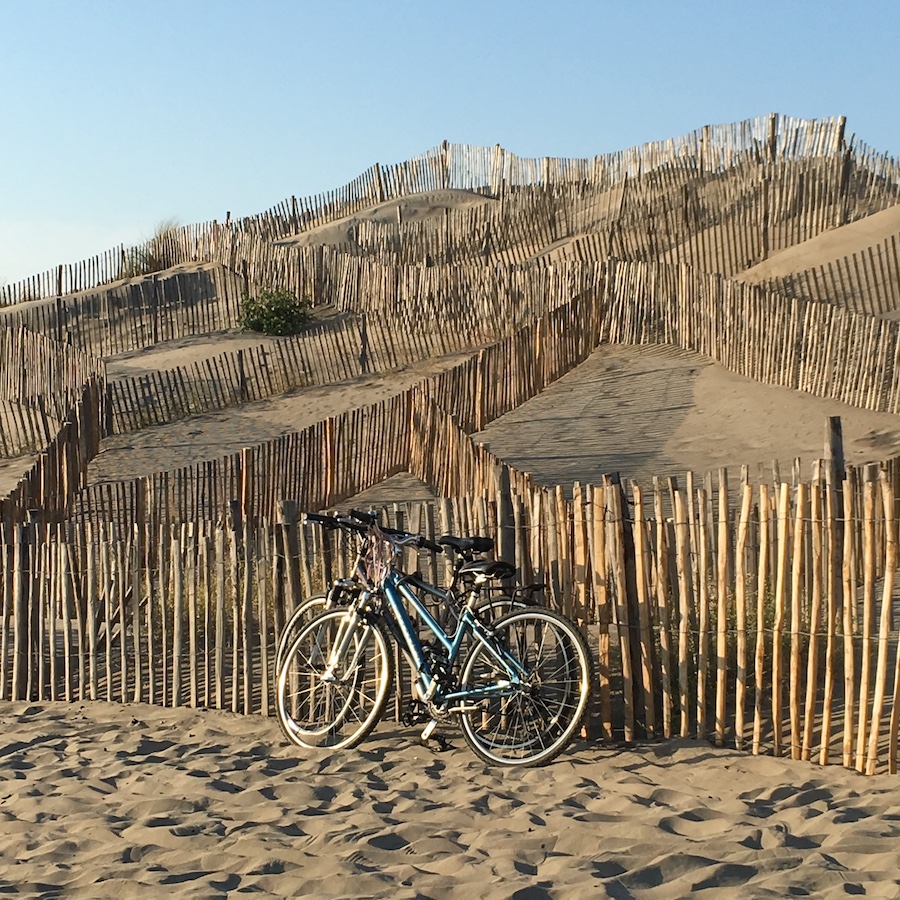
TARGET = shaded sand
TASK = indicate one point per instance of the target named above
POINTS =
(654, 410)
(101, 800)
(185, 351)
(181, 352)
(12, 470)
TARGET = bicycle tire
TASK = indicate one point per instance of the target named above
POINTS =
(491, 609)
(318, 714)
(535, 724)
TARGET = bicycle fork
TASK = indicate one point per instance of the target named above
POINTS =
(346, 632)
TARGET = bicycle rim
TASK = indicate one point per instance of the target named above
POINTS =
(493, 608)
(341, 711)
(534, 723)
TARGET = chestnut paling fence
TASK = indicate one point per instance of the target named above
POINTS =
(719, 198)
(755, 614)
(771, 627)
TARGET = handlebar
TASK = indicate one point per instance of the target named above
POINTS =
(405, 537)
(362, 524)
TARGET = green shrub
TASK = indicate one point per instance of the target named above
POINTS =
(276, 312)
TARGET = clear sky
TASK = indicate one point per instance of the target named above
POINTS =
(116, 115)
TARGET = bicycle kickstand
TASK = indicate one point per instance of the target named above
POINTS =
(428, 738)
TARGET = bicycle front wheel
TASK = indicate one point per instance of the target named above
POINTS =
(304, 613)
(325, 703)
(530, 723)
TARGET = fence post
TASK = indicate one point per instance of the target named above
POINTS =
(242, 376)
(154, 313)
(245, 276)
(614, 540)
(235, 525)
(630, 601)
(291, 547)
(834, 449)
(506, 537)
(363, 345)
(21, 599)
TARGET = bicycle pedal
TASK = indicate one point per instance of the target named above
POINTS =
(415, 713)
(435, 742)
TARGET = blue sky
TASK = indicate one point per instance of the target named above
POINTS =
(115, 116)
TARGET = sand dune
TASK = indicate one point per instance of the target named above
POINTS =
(424, 205)
(101, 800)
(645, 411)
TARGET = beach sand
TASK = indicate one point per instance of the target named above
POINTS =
(102, 800)
(659, 410)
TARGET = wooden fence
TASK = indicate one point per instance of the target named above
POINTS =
(136, 314)
(49, 487)
(40, 381)
(772, 628)
(778, 179)
(717, 221)
(711, 617)
(864, 282)
(818, 348)
(321, 355)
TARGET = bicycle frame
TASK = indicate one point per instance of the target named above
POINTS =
(396, 590)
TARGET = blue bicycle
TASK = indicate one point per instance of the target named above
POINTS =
(519, 686)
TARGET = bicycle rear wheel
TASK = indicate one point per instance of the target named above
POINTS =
(495, 607)
(340, 708)
(530, 724)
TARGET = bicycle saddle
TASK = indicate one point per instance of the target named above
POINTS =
(466, 545)
(490, 568)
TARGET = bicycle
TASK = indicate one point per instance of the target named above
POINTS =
(343, 590)
(519, 694)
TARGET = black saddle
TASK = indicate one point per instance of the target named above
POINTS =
(467, 545)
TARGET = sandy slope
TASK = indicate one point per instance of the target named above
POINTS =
(222, 432)
(826, 247)
(101, 800)
(425, 205)
(640, 411)
(645, 411)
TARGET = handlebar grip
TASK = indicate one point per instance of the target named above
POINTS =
(367, 518)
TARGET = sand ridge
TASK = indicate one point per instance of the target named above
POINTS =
(830, 245)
